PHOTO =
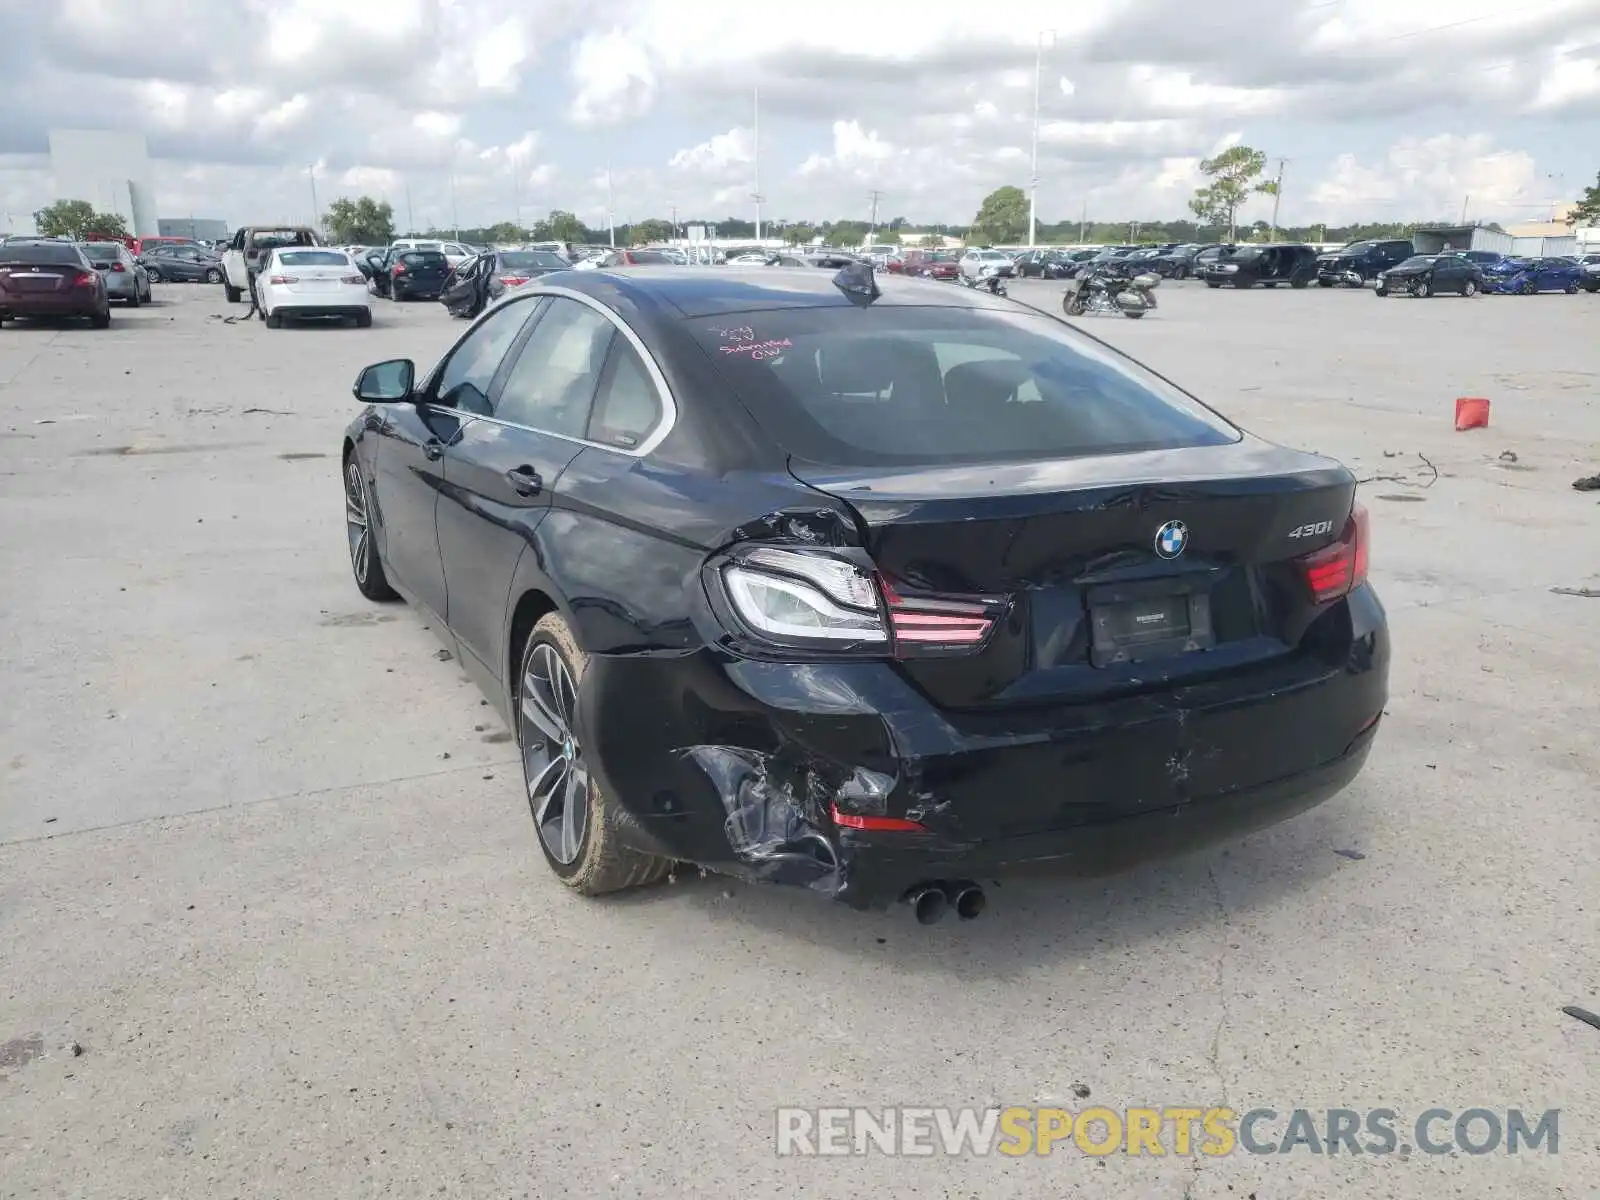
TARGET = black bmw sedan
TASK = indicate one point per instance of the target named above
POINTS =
(865, 584)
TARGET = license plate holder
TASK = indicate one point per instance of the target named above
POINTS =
(1151, 619)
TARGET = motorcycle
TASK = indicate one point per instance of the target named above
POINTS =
(1103, 290)
(989, 280)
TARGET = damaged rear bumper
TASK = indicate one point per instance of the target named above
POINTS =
(844, 778)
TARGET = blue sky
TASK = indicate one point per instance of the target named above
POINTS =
(477, 107)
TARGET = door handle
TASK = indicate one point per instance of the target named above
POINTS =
(524, 481)
(433, 449)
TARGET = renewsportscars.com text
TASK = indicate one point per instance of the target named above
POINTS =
(1174, 1130)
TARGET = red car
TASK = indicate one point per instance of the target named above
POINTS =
(51, 279)
(932, 264)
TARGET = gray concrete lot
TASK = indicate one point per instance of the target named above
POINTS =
(266, 860)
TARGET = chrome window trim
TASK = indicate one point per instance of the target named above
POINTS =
(669, 408)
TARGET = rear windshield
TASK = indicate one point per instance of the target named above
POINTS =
(429, 246)
(267, 239)
(910, 386)
(40, 252)
(424, 258)
(529, 259)
(1418, 260)
(101, 252)
(313, 258)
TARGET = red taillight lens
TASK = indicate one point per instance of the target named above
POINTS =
(1338, 568)
(283, 279)
(513, 280)
(876, 824)
(119, 268)
(399, 268)
(933, 622)
(358, 277)
(87, 278)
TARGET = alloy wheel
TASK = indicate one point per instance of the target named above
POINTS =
(552, 759)
(357, 529)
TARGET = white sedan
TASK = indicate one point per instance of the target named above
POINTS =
(306, 282)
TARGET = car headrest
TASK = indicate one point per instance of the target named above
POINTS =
(984, 383)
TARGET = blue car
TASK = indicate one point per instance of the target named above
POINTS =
(1527, 276)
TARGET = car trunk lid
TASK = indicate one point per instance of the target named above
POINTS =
(1122, 574)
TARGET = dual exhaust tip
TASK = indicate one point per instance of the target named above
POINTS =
(930, 901)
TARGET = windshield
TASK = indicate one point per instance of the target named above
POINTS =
(650, 256)
(40, 252)
(313, 258)
(899, 386)
(532, 260)
(99, 252)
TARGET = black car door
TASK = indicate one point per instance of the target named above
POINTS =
(410, 460)
(457, 289)
(504, 473)
(1449, 273)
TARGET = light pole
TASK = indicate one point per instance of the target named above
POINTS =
(756, 194)
(311, 173)
(1277, 196)
(611, 206)
(1033, 181)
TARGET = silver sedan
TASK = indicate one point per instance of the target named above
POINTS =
(126, 279)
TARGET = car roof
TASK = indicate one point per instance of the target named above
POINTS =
(710, 291)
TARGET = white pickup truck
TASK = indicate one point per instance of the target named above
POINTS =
(251, 245)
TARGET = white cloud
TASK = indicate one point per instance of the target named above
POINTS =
(734, 149)
(857, 152)
(1428, 178)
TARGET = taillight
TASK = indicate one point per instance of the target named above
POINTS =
(119, 268)
(937, 621)
(816, 600)
(87, 279)
(513, 280)
(399, 268)
(1341, 566)
(358, 277)
(283, 279)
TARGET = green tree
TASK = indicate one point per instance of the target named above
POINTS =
(652, 230)
(564, 227)
(1233, 176)
(1003, 215)
(799, 235)
(1587, 211)
(362, 221)
(76, 219)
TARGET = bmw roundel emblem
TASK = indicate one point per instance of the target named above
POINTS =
(1171, 538)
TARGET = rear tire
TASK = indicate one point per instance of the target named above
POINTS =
(154, 274)
(1325, 283)
(232, 293)
(273, 320)
(134, 300)
(1132, 314)
(101, 320)
(364, 320)
(601, 863)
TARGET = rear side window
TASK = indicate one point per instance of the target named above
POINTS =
(911, 386)
(101, 253)
(627, 406)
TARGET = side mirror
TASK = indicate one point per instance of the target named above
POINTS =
(386, 382)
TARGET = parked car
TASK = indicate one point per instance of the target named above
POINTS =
(824, 590)
(1041, 264)
(40, 278)
(1529, 276)
(1179, 262)
(1589, 272)
(416, 274)
(1075, 260)
(1361, 262)
(478, 282)
(182, 264)
(1425, 275)
(1482, 257)
(454, 252)
(249, 250)
(932, 264)
(1269, 265)
(125, 278)
(976, 264)
(305, 283)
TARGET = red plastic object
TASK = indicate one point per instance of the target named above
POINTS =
(1472, 412)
